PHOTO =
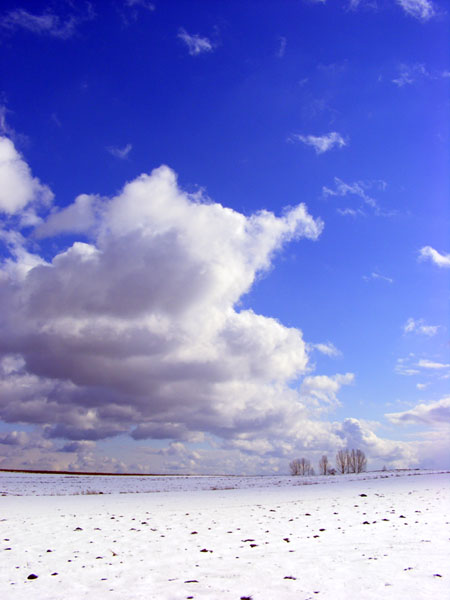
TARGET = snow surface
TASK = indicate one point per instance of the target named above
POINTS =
(371, 536)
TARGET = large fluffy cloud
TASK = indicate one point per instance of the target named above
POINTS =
(358, 434)
(136, 330)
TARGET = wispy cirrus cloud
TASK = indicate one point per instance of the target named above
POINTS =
(356, 4)
(377, 276)
(47, 23)
(419, 326)
(357, 188)
(121, 153)
(140, 4)
(282, 47)
(423, 10)
(350, 212)
(195, 44)
(409, 74)
(429, 253)
(320, 143)
(411, 365)
(406, 366)
(360, 189)
(131, 9)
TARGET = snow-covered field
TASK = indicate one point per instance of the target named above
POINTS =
(370, 536)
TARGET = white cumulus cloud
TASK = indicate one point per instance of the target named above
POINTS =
(429, 253)
(81, 216)
(435, 413)
(322, 390)
(137, 330)
(18, 188)
(327, 348)
(355, 433)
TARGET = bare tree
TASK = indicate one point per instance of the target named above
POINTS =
(323, 465)
(305, 466)
(300, 466)
(295, 466)
(341, 461)
(351, 461)
(360, 461)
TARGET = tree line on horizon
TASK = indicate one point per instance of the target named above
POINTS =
(347, 461)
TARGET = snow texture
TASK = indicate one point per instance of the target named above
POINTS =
(371, 536)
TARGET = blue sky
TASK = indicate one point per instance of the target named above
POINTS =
(224, 234)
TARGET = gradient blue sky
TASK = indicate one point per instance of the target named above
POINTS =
(196, 320)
